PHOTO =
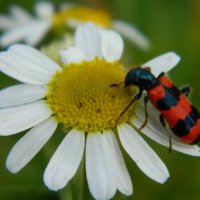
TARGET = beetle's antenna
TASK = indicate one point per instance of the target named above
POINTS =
(129, 60)
(128, 106)
(116, 84)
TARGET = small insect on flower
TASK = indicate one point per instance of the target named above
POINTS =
(182, 118)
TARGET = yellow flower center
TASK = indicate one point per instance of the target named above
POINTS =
(82, 14)
(81, 97)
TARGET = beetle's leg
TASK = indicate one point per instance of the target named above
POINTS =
(138, 96)
(146, 99)
(160, 75)
(185, 90)
(163, 123)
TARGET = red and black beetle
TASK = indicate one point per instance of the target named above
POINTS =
(174, 108)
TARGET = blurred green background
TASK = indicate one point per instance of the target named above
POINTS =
(171, 25)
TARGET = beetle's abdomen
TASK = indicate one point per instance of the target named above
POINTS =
(183, 118)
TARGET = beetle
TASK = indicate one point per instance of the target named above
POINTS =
(175, 109)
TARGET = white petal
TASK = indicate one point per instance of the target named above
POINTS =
(87, 37)
(65, 161)
(27, 64)
(132, 33)
(111, 45)
(21, 94)
(162, 63)
(6, 22)
(119, 169)
(33, 54)
(158, 133)
(16, 119)
(44, 9)
(72, 55)
(146, 159)
(40, 28)
(30, 144)
(18, 25)
(99, 172)
(20, 15)
(16, 34)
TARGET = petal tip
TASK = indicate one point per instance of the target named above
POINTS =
(10, 167)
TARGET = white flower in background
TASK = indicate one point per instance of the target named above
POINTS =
(21, 26)
(79, 97)
(52, 49)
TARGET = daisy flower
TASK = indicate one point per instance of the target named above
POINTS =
(78, 96)
(21, 26)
